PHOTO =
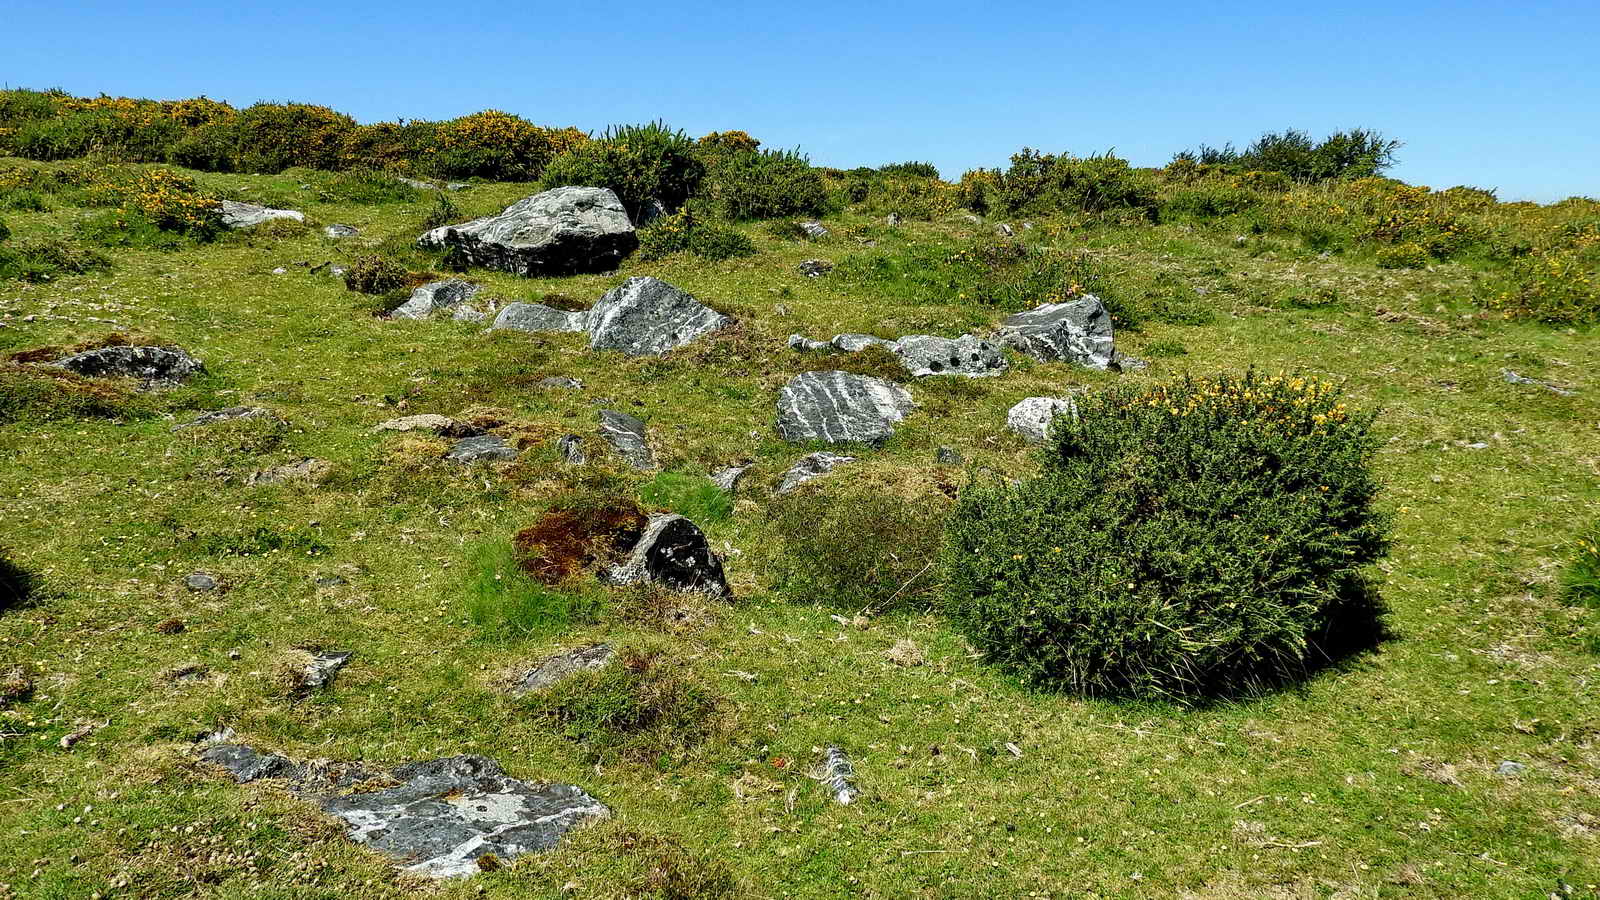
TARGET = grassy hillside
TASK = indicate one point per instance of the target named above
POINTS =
(1376, 778)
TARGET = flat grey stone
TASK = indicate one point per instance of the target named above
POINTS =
(155, 367)
(571, 447)
(921, 355)
(308, 470)
(319, 671)
(627, 436)
(418, 183)
(892, 220)
(483, 447)
(728, 477)
(814, 230)
(562, 666)
(815, 268)
(837, 407)
(200, 582)
(231, 414)
(1123, 362)
(645, 316)
(945, 456)
(341, 231)
(1507, 767)
(562, 382)
(246, 764)
(810, 468)
(538, 317)
(434, 296)
(249, 215)
(565, 231)
(466, 313)
(1078, 331)
(456, 185)
(1514, 378)
(440, 425)
(1031, 418)
(673, 552)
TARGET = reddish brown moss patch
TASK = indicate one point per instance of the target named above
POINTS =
(566, 541)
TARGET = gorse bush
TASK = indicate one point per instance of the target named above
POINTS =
(762, 184)
(638, 162)
(1043, 183)
(1357, 153)
(1202, 537)
(495, 144)
(686, 231)
(272, 137)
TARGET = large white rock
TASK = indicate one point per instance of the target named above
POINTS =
(645, 316)
(249, 215)
(1033, 416)
(839, 407)
(565, 231)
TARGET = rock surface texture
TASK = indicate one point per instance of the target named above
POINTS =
(645, 316)
(485, 447)
(565, 231)
(249, 215)
(1078, 331)
(556, 668)
(443, 817)
(811, 467)
(155, 367)
(627, 436)
(1031, 417)
(837, 407)
(434, 296)
(921, 354)
(538, 317)
(672, 552)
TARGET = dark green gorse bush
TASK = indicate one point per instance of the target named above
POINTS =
(1199, 538)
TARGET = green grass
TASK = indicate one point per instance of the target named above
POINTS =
(1373, 779)
(507, 605)
(693, 496)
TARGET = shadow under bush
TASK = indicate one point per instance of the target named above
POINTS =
(16, 584)
(1206, 537)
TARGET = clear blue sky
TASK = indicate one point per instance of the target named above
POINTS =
(1500, 95)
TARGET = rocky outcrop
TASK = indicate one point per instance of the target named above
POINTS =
(444, 818)
(673, 552)
(645, 316)
(626, 435)
(1031, 418)
(839, 407)
(921, 354)
(565, 231)
(809, 468)
(435, 296)
(1078, 331)
(562, 666)
(482, 448)
(538, 317)
(155, 367)
(249, 215)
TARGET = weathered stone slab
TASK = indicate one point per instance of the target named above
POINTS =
(538, 317)
(483, 447)
(645, 316)
(435, 296)
(1031, 418)
(155, 367)
(565, 231)
(561, 666)
(809, 468)
(672, 552)
(1077, 331)
(837, 407)
(249, 215)
(231, 414)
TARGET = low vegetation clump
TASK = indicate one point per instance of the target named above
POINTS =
(1206, 536)
(691, 496)
(1044, 183)
(1582, 575)
(640, 163)
(577, 534)
(506, 603)
(860, 548)
(647, 706)
(686, 231)
(750, 184)
(34, 393)
(1293, 154)
(375, 273)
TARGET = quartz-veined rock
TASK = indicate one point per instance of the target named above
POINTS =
(627, 436)
(837, 407)
(1077, 331)
(921, 354)
(564, 231)
(434, 296)
(728, 477)
(646, 316)
(483, 447)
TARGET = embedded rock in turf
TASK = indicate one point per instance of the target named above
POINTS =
(565, 231)
(555, 668)
(155, 367)
(308, 470)
(482, 447)
(440, 425)
(645, 316)
(728, 477)
(538, 317)
(571, 448)
(837, 407)
(1032, 416)
(626, 434)
(340, 231)
(673, 552)
(249, 215)
(320, 669)
(921, 355)
(443, 817)
(814, 230)
(815, 268)
(1078, 331)
(810, 467)
(434, 296)
(230, 414)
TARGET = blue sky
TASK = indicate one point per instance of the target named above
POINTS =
(1505, 96)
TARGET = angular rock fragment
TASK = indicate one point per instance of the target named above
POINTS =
(571, 447)
(1077, 331)
(838, 776)
(321, 667)
(562, 382)
(435, 296)
(247, 764)
(645, 316)
(672, 552)
(1514, 378)
(892, 220)
(538, 317)
(815, 268)
(483, 447)
(627, 436)
(249, 215)
(340, 231)
(561, 666)
(308, 470)
(231, 414)
(810, 467)
(1031, 418)
(839, 407)
(728, 477)
(565, 231)
(155, 367)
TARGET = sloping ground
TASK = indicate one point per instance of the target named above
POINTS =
(1377, 780)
